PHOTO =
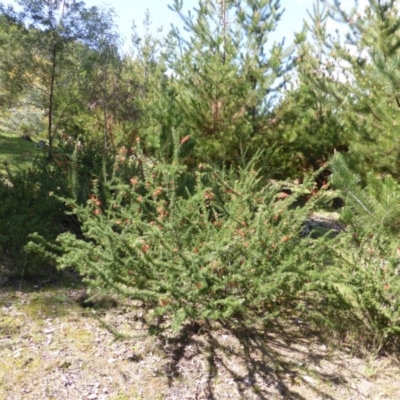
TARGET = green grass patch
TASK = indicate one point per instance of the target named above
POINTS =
(16, 152)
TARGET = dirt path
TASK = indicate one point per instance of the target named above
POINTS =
(53, 348)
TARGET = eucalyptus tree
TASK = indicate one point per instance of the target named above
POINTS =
(46, 64)
(8, 93)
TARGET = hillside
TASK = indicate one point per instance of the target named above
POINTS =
(15, 151)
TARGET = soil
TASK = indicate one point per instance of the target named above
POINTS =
(56, 345)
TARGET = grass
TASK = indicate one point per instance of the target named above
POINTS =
(16, 152)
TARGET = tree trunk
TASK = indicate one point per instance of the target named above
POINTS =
(51, 100)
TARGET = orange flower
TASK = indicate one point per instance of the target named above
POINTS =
(185, 139)
(97, 211)
(162, 212)
(158, 191)
(208, 195)
(240, 232)
(95, 200)
(282, 195)
(134, 180)
(325, 185)
(145, 248)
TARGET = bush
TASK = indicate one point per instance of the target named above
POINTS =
(231, 248)
(30, 202)
(27, 206)
(370, 249)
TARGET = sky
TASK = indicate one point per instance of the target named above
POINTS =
(161, 16)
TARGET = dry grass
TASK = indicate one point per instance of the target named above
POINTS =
(53, 348)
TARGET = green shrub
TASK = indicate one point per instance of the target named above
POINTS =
(229, 249)
(27, 206)
(30, 202)
(370, 249)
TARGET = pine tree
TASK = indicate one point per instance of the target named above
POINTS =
(225, 71)
(154, 94)
(373, 209)
(361, 73)
(305, 130)
(369, 250)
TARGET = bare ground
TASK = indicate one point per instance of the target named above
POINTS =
(51, 347)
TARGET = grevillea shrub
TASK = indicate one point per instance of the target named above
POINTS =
(228, 248)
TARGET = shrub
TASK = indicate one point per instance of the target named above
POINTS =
(27, 206)
(370, 249)
(229, 249)
(30, 202)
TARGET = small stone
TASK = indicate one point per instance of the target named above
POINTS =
(308, 379)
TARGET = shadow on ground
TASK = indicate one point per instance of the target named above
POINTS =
(261, 363)
(105, 341)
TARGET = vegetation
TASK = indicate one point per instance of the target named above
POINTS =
(184, 177)
(15, 154)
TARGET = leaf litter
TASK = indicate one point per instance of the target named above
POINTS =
(52, 347)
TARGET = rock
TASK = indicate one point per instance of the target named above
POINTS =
(41, 144)
(318, 226)
(26, 137)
